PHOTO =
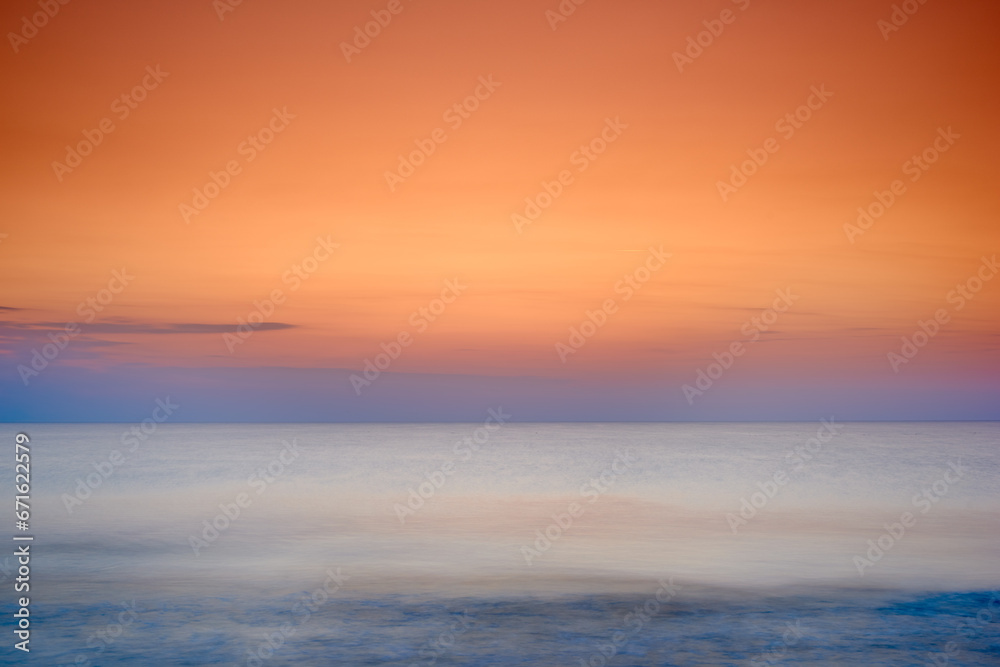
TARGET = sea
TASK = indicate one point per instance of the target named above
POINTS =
(504, 543)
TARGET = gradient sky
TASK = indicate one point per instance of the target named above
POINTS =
(892, 94)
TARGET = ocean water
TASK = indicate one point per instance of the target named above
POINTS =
(819, 543)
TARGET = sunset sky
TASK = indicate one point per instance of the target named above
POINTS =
(632, 128)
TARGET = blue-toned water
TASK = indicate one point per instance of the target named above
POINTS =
(512, 544)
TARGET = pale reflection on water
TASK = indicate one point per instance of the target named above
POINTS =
(545, 553)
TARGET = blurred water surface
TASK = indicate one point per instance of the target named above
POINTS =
(524, 544)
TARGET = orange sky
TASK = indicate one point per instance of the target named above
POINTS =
(655, 185)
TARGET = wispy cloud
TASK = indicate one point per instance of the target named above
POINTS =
(126, 326)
